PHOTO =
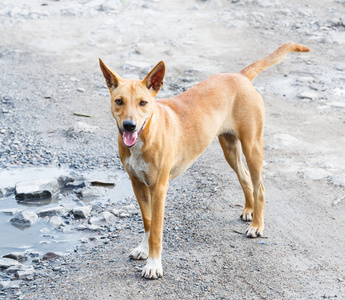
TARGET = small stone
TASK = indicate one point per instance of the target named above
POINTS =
(24, 219)
(93, 191)
(121, 213)
(81, 90)
(63, 180)
(50, 256)
(5, 192)
(52, 211)
(94, 227)
(19, 256)
(8, 262)
(82, 212)
(107, 217)
(13, 269)
(56, 221)
(26, 274)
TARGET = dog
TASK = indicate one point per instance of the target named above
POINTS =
(159, 139)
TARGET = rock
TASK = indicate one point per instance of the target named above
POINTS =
(311, 95)
(63, 180)
(10, 284)
(50, 256)
(27, 274)
(43, 188)
(96, 221)
(52, 211)
(24, 219)
(5, 192)
(19, 256)
(56, 221)
(94, 227)
(107, 217)
(82, 212)
(121, 213)
(131, 208)
(104, 218)
(75, 184)
(93, 191)
(8, 262)
(13, 269)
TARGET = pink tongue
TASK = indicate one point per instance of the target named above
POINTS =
(129, 138)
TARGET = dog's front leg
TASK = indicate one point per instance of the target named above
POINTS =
(153, 268)
(143, 195)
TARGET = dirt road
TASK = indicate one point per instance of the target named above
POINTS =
(49, 64)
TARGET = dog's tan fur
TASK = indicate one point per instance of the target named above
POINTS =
(171, 133)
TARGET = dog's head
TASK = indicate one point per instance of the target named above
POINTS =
(132, 101)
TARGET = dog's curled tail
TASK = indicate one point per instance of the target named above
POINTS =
(255, 68)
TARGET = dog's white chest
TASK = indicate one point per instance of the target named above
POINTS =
(135, 164)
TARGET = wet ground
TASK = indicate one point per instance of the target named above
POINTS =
(43, 236)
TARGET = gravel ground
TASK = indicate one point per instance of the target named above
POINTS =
(49, 65)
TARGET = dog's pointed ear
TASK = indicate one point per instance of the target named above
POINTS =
(111, 78)
(154, 80)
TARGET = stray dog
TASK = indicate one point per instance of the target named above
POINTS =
(159, 139)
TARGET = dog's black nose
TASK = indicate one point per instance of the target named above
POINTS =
(129, 125)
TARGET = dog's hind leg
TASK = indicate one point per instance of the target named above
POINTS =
(254, 155)
(142, 193)
(232, 151)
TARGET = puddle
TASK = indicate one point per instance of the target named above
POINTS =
(42, 236)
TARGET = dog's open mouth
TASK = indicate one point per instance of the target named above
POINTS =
(129, 139)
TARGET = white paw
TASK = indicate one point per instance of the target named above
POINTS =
(142, 251)
(139, 253)
(153, 269)
(254, 231)
(247, 214)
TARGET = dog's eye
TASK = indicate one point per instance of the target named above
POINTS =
(142, 103)
(119, 101)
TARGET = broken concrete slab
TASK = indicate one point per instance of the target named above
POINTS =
(43, 188)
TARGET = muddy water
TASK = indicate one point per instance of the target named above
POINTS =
(42, 237)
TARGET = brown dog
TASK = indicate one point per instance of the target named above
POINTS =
(159, 139)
